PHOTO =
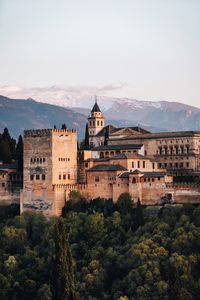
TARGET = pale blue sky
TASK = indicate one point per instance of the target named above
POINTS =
(151, 47)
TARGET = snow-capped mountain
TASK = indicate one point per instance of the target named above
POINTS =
(161, 115)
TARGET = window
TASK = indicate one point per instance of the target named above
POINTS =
(31, 160)
(31, 177)
(37, 177)
(182, 150)
(86, 165)
(132, 164)
(40, 160)
(68, 159)
(165, 150)
(171, 150)
(143, 164)
(44, 159)
(59, 176)
(187, 164)
(3, 184)
(176, 149)
(153, 165)
(96, 178)
(160, 150)
(97, 123)
(138, 164)
(64, 176)
(68, 176)
(101, 123)
(188, 149)
(43, 176)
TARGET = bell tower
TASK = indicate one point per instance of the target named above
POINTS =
(95, 122)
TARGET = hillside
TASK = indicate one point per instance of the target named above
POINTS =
(18, 115)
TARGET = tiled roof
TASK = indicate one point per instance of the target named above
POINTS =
(96, 108)
(104, 167)
(144, 174)
(118, 147)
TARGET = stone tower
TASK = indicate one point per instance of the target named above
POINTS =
(95, 123)
(50, 167)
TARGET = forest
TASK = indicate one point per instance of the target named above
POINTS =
(114, 251)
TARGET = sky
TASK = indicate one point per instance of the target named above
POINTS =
(137, 48)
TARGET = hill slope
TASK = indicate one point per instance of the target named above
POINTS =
(18, 115)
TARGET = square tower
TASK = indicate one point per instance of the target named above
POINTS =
(50, 161)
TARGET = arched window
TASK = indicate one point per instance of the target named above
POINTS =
(101, 155)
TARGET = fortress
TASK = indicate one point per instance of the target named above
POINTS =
(114, 161)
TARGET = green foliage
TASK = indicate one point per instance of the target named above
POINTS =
(9, 151)
(113, 257)
(63, 284)
(125, 203)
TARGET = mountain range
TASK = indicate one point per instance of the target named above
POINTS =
(57, 105)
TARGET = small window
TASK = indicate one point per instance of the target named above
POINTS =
(43, 159)
(31, 177)
(43, 176)
(59, 176)
(138, 164)
(68, 159)
(3, 184)
(96, 178)
(86, 165)
(153, 165)
(132, 164)
(37, 177)
(68, 176)
(64, 176)
(143, 164)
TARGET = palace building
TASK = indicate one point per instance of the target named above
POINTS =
(115, 160)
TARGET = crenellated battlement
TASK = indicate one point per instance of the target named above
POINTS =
(64, 130)
(37, 132)
(47, 132)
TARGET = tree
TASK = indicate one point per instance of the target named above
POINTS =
(106, 137)
(63, 283)
(10, 141)
(64, 126)
(5, 154)
(19, 153)
(124, 203)
(86, 141)
(139, 214)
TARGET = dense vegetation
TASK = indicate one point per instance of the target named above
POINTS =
(119, 252)
(10, 150)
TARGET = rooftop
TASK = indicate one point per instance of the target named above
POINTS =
(107, 168)
(118, 147)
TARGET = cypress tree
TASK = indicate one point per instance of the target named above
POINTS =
(139, 214)
(106, 136)
(19, 153)
(5, 154)
(10, 141)
(63, 282)
(64, 126)
(86, 141)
